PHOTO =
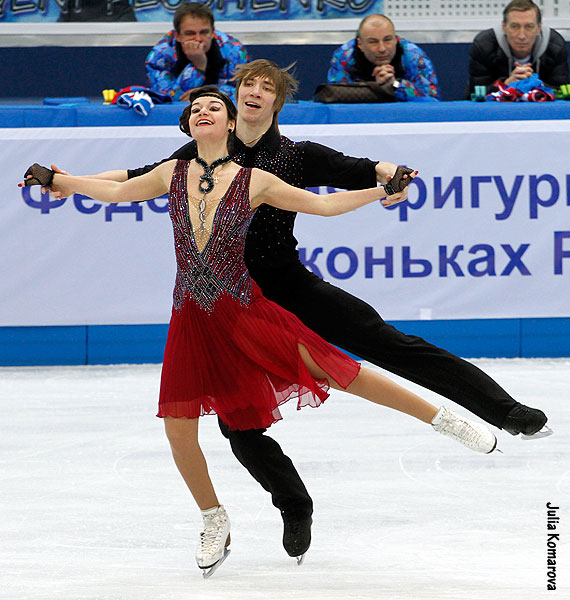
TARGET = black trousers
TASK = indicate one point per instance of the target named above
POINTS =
(351, 324)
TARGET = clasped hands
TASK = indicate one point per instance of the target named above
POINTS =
(396, 185)
(384, 74)
(519, 73)
(37, 175)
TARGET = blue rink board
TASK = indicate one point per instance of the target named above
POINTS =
(104, 344)
(112, 344)
(77, 113)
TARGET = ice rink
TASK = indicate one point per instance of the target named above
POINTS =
(92, 507)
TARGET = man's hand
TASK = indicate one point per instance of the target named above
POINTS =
(384, 74)
(57, 191)
(195, 52)
(386, 171)
(519, 73)
(402, 185)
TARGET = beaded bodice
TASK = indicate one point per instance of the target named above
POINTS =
(207, 271)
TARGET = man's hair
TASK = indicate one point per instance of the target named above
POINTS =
(371, 18)
(206, 90)
(285, 84)
(522, 6)
(192, 9)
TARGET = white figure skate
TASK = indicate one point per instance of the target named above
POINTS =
(214, 540)
(474, 435)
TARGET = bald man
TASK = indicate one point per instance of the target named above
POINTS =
(403, 70)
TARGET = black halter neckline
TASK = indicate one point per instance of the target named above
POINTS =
(207, 179)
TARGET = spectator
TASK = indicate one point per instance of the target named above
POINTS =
(520, 47)
(378, 54)
(96, 11)
(194, 54)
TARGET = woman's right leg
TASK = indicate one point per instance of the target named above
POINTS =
(182, 433)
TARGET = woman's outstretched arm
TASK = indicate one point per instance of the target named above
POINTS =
(147, 186)
(269, 189)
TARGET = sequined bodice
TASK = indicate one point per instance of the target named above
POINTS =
(219, 267)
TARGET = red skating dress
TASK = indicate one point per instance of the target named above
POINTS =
(229, 350)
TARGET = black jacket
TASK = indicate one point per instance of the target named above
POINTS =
(490, 59)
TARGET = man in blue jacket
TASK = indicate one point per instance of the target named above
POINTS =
(377, 54)
(194, 54)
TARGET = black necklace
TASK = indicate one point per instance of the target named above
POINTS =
(207, 179)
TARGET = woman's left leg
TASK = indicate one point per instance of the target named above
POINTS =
(377, 388)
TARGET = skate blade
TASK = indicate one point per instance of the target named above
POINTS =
(544, 432)
(300, 559)
(207, 572)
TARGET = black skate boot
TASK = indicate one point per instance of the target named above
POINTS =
(531, 422)
(296, 535)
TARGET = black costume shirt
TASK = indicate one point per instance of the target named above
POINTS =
(270, 241)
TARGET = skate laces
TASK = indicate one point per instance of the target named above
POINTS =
(211, 537)
(455, 426)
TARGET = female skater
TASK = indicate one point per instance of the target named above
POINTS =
(229, 350)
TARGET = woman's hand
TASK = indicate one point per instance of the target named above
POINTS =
(395, 198)
(406, 176)
(399, 180)
(37, 175)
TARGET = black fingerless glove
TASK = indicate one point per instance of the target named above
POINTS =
(398, 183)
(39, 176)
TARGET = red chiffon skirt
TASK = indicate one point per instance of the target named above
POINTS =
(242, 362)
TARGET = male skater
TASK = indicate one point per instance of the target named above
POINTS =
(340, 318)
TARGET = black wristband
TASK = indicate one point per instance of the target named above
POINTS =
(389, 188)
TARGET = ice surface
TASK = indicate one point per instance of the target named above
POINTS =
(92, 507)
